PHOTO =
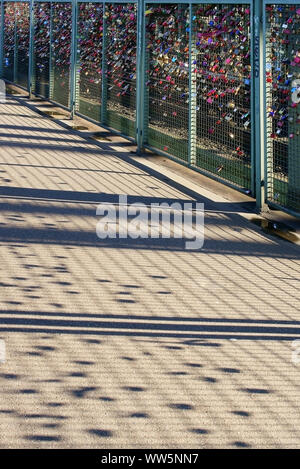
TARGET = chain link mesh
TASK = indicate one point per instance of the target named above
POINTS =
(89, 59)
(283, 112)
(22, 43)
(121, 37)
(167, 78)
(41, 52)
(223, 73)
(197, 82)
(9, 41)
(61, 17)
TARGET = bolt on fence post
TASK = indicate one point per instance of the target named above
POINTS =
(258, 130)
(192, 139)
(104, 69)
(73, 58)
(31, 45)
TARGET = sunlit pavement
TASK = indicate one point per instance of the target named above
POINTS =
(134, 344)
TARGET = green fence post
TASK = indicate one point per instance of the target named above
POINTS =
(258, 130)
(140, 78)
(146, 77)
(51, 62)
(30, 52)
(104, 70)
(192, 91)
(73, 65)
(76, 72)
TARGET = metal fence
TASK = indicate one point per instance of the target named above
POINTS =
(213, 85)
(90, 60)
(282, 23)
(167, 78)
(16, 42)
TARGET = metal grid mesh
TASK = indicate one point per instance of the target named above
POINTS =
(223, 72)
(206, 114)
(22, 43)
(121, 21)
(283, 112)
(89, 59)
(61, 38)
(41, 52)
(167, 77)
(9, 41)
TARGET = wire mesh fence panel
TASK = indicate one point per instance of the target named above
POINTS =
(89, 59)
(22, 43)
(283, 109)
(223, 74)
(41, 52)
(196, 78)
(61, 38)
(121, 45)
(9, 41)
(167, 78)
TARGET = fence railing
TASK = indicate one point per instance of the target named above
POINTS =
(213, 85)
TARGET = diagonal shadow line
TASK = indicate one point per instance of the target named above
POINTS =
(13, 100)
(61, 148)
(87, 238)
(81, 238)
(37, 137)
(253, 325)
(56, 207)
(85, 136)
(27, 116)
(77, 196)
(24, 128)
(63, 168)
(119, 328)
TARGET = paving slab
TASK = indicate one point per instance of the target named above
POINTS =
(135, 343)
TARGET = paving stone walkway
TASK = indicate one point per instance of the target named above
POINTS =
(134, 344)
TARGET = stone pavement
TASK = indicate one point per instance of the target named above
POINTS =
(135, 344)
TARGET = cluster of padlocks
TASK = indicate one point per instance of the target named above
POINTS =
(181, 78)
